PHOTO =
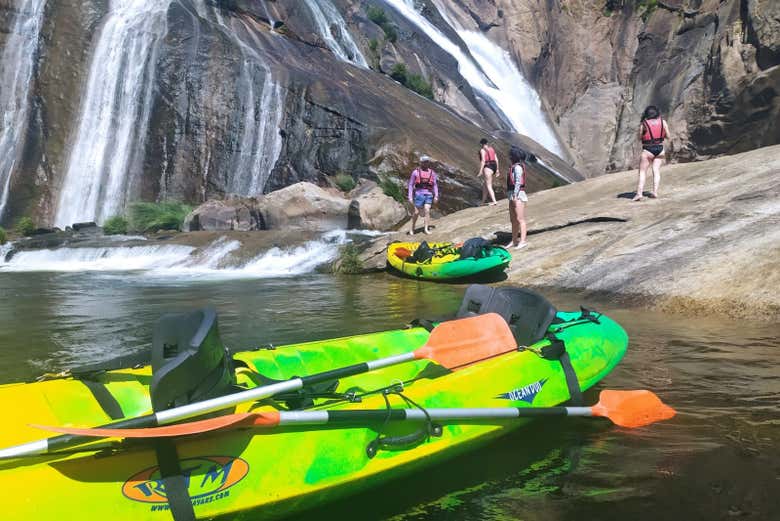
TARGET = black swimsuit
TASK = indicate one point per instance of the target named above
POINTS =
(491, 165)
(656, 150)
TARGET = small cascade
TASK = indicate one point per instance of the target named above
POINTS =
(17, 64)
(333, 29)
(114, 116)
(491, 72)
(261, 105)
(220, 259)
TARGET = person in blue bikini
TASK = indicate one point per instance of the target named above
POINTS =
(423, 192)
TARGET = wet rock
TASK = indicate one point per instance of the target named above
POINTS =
(371, 209)
(233, 214)
(304, 206)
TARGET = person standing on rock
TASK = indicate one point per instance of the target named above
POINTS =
(515, 191)
(488, 166)
(423, 192)
(652, 133)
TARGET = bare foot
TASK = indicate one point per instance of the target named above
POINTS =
(637, 197)
(521, 245)
(653, 195)
(410, 232)
(492, 204)
(427, 231)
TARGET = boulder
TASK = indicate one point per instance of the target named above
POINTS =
(306, 206)
(233, 214)
(371, 209)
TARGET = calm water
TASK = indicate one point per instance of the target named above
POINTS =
(719, 459)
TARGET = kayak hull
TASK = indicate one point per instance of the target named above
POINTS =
(277, 472)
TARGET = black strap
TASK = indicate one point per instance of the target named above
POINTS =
(174, 482)
(406, 441)
(422, 322)
(105, 399)
(557, 351)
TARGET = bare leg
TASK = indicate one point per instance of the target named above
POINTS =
(657, 162)
(487, 176)
(520, 211)
(484, 187)
(427, 218)
(644, 164)
(515, 223)
(415, 213)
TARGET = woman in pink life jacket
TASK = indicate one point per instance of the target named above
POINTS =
(515, 192)
(652, 133)
(423, 192)
(488, 166)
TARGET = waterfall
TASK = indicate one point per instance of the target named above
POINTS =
(327, 17)
(114, 114)
(220, 259)
(16, 70)
(261, 104)
(491, 72)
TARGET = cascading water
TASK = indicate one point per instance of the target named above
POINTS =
(340, 41)
(114, 114)
(259, 144)
(16, 70)
(491, 73)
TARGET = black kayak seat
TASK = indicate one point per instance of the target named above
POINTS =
(528, 314)
(189, 361)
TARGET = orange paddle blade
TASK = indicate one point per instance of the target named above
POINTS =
(456, 343)
(266, 419)
(632, 408)
(402, 253)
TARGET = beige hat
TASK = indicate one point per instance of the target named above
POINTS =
(424, 158)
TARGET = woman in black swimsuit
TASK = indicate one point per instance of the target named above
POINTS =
(652, 133)
(488, 166)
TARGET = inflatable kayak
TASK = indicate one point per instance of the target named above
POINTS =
(443, 261)
(275, 471)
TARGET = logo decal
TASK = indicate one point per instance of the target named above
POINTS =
(524, 394)
(205, 476)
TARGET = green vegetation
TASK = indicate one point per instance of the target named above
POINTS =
(649, 6)
(3, 236)
(379, 17)
(344, 182)
(391, 189)
(152, 217)
(349, 262)
(373, 46)
(411, 81)
(116, 225)
(25, 226)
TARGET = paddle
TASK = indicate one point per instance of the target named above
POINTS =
(452, 344)
(625, 408)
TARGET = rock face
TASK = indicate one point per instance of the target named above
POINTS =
(233, 214)
(711, 66)
(709, 244)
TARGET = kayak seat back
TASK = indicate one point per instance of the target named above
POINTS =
(528, 314)
(189, 361)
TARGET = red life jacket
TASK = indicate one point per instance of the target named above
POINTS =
(654, 133)
(490, 155)
(510, 178)
(423, 179)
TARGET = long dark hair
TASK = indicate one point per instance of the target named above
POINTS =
(651, 112)
(518, 155)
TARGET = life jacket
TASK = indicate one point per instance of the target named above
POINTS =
(423, 179)
(654, 132)
(490, 155)
(510, 178)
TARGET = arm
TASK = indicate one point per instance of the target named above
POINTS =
(411, 187)
(435, 187)
(666, 131)
(497, 173)
(481, 161)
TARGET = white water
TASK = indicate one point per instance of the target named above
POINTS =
(17, 63)
(261, 103)
(491, 72)
(217, 260)
(114, 113)
(340, 41)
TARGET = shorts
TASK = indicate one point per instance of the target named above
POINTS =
(423, 198)
(519, 196)
(656, 150)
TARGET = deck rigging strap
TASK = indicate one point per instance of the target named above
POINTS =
(557, 351)
(176, 485)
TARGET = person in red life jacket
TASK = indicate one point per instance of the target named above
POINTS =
(423, 192)
(652, 133)
(515, 191)
(488, 166)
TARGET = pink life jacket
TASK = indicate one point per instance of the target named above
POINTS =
(423, 179)
(510, 178)
(654, 132)
(490, 155)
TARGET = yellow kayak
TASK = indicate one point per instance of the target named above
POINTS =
(446, 262)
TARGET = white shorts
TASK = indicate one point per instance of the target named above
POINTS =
(520, 196)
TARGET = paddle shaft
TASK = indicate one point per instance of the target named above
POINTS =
(207, 406)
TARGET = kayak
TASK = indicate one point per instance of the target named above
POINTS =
(446, 263)
(276, 472)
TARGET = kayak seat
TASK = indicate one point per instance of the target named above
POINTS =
(528, 314)
(189, 361)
